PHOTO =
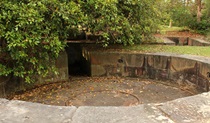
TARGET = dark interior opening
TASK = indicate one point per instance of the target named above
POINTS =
(174, 39)
(77, 64)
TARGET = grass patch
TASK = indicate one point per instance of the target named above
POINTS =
(146, 48)
(164, 29)
(192, 50)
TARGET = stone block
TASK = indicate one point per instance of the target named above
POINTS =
(62, 67)
(180, 64)
(204, 76)
(104, 59)
(26, 112)
(134, 114)
(3, 101)
(158, 61)
(195, 109)
(3, 83)
(133, 60)
(97, 70)
(198, 42)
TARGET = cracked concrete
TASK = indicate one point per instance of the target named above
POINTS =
(193, 109)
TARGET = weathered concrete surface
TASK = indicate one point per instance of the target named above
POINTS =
(183, 69)
(194, 109)
(185, 41)
(62, 67)
(161, 41)
(167, 41)
(135, 114)
(26, 112)
(198, 42)
(3, 81)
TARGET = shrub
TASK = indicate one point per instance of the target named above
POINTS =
(32, 33)
(202, 27)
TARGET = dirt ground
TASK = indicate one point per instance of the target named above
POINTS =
(105, 91)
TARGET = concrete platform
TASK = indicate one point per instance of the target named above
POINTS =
(193, 109)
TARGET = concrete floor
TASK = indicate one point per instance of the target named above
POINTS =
(106, 91)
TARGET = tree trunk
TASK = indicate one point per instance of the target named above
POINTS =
(199, 10)
(170, 24)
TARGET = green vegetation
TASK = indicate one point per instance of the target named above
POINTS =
(125, 22)
(192, 50)
(186, 13)
(164, 29)
(148, 48)
(33, 32)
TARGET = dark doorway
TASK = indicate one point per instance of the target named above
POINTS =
(77, 64)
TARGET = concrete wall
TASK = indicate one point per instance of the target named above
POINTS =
(197, 42)
(189, 41)
(3, 81)
(184, 69)
(9, 84)
(62, 67)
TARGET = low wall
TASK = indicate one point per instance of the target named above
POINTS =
(188, 41)
(3, 81)
(193, 109)
(62, 69)
(183, 69)
(197, 42)
(9, 84)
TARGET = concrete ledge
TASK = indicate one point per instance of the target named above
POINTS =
(194, 109)
(198, 42)
(167, 41)
(184, 40)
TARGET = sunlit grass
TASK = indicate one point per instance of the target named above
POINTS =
(192, 50)
(164, 29)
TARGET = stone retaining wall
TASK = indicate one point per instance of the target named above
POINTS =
(183, 69)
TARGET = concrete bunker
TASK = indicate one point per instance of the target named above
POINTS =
(182, 69)
(186, 41)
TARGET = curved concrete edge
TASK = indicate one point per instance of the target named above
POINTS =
(187, 70)
(193, 109)
(202, 59)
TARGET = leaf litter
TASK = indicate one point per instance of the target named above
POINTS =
(102, 91)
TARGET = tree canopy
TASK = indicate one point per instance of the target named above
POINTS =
(193, 14)
(33, 32)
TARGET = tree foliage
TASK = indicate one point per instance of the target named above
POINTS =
(189, 13)
(121, 21)
(33, 32)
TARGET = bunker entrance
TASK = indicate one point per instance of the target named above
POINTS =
(77, 64)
